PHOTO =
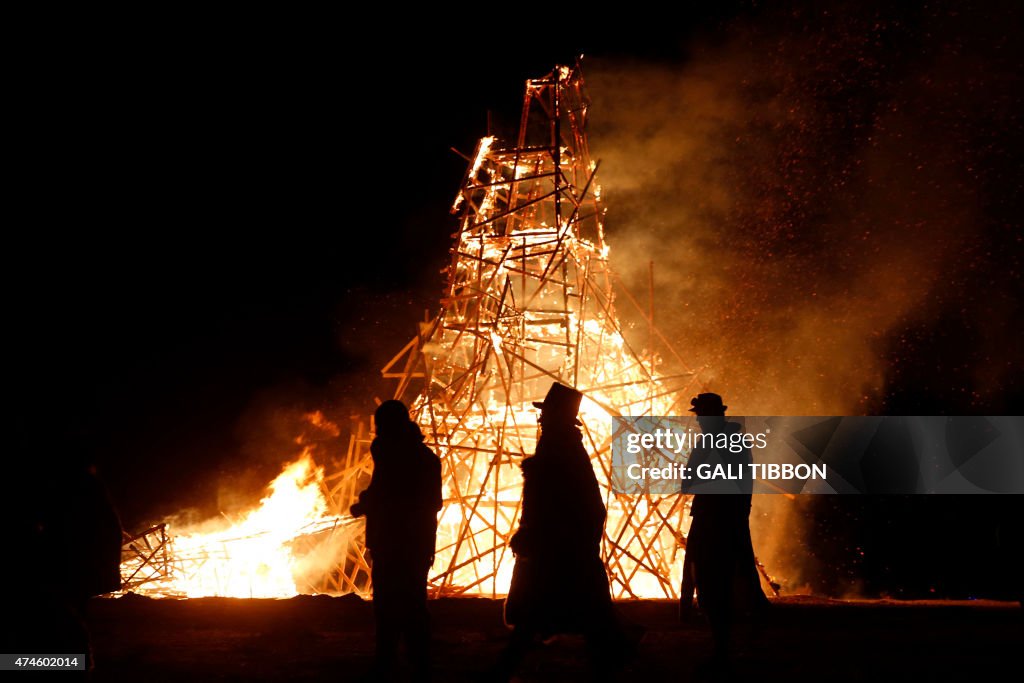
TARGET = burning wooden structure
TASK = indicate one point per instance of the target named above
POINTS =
(528, 301)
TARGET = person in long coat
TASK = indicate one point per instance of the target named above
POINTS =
(559, 583)
(400, 505)
(719, 553)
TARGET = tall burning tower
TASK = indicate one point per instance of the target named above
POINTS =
(529, 301)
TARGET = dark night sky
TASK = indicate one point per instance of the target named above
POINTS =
(242, 216)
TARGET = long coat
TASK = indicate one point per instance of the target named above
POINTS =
(559, 583)
(403, 499)
(719, 551)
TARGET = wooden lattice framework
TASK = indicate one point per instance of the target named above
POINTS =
(350, 475)
(529, 301)
(145, 558)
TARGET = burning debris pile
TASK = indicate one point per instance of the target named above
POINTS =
(277, 549)
(297, 539)
(528, 301)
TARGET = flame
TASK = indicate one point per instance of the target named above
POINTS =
(255, 556)
(318, 420)
(482, 150)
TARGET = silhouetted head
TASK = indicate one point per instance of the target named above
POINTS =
(707, 405)
(390, 417)
(710, 411)
(560, 406)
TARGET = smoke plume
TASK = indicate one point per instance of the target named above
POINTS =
(804, 190)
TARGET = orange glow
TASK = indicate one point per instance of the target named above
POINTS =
(256, 555)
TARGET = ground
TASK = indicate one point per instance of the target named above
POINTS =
(312, 638)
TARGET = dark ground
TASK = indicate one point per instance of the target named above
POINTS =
(321, 638)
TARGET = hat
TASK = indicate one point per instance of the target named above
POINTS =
(707, 404)
(561, 401)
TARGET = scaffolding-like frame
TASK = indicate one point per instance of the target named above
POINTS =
(528, 301)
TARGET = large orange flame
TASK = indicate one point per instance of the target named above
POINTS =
(257, 555)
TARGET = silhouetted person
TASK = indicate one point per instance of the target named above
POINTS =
(401, 505)
(559, 584)
(719, 554)
(67, 541)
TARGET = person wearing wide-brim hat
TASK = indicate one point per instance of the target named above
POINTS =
(559, 583)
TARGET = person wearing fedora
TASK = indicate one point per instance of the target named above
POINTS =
(719, 554)
(559, 583)
(401, 506)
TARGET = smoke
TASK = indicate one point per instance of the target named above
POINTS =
(798, 197)
(809, 187)
(324, 555)
(277, 427)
